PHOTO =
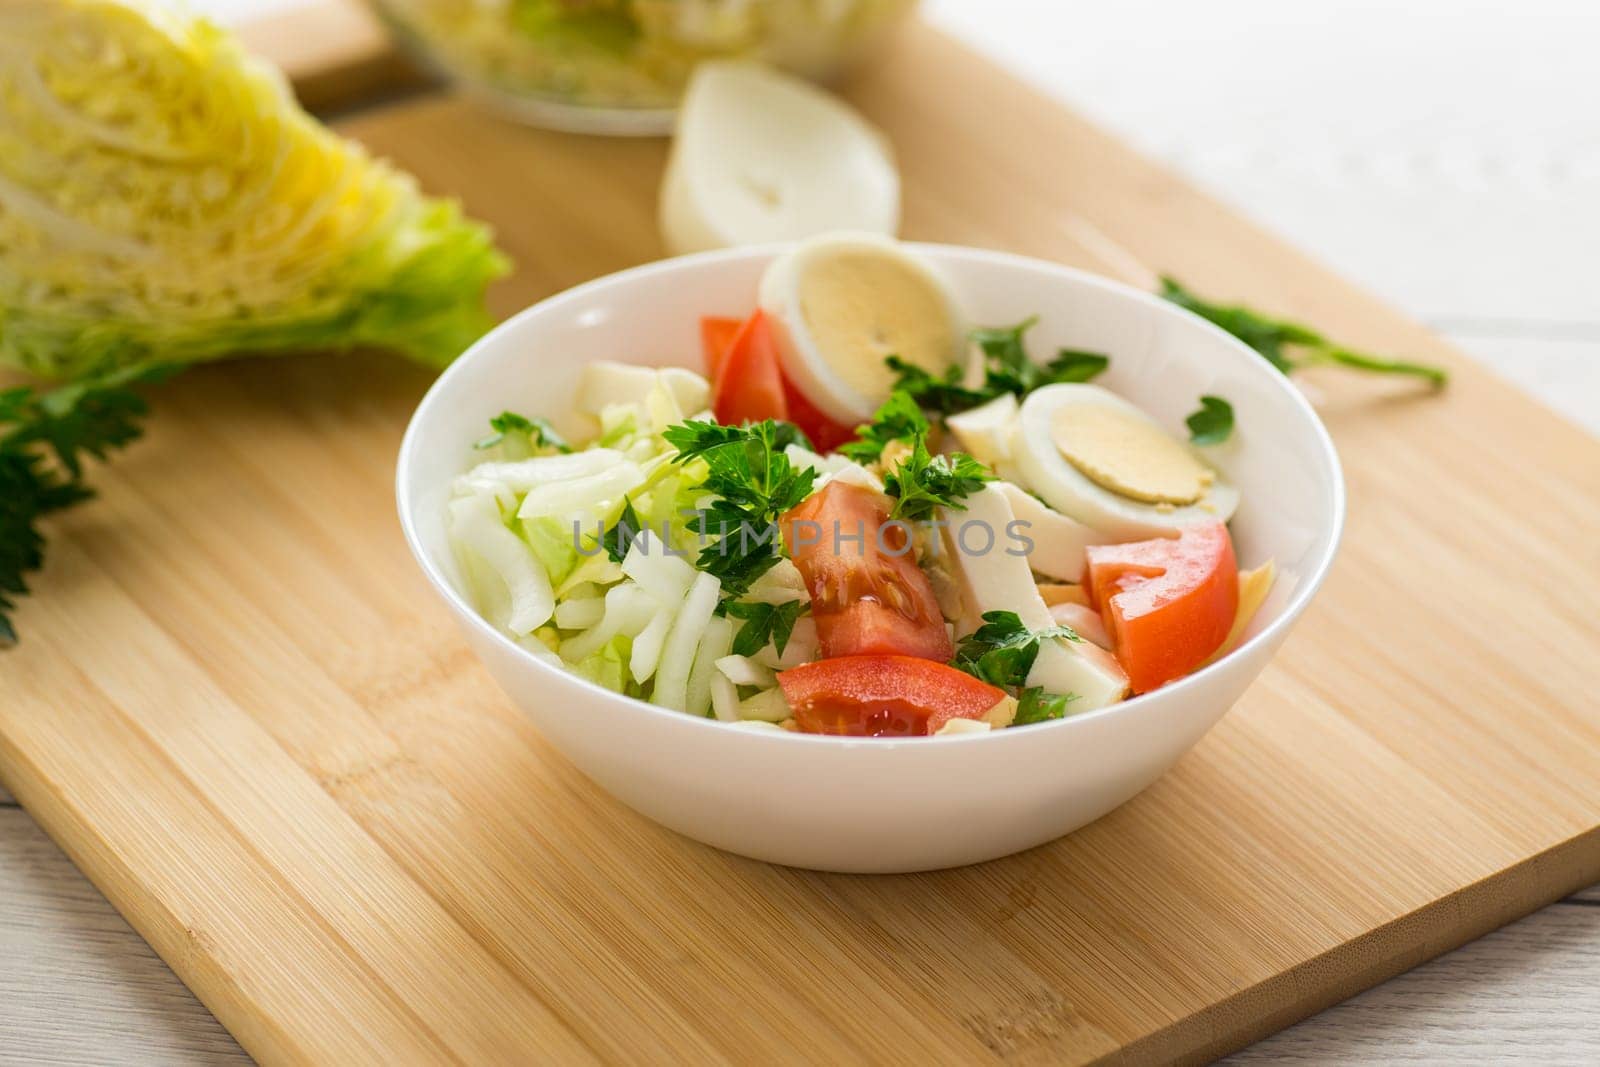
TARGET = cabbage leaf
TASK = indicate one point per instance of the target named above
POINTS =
(163, 198)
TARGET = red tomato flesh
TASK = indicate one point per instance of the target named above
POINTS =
(747, 386)
(825, 434)
(1167, 603)
(716, 337)
(883, 696)
(868, 596)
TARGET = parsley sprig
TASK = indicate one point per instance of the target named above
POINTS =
(1009, 370)
(1212, 422)
(921, 481)
(754, 484)
(1290, 346)
(45, 439)
(1035, 705)
(620, 537)
(900, 418)
(1006, 369)
(765, 624)
(522, 434)
(1002, 650)
(924, 481)
(943, 394)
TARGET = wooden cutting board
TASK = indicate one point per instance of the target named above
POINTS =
(241, 712)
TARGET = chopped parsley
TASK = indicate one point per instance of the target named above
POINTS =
(1006, 369)
(1212, 422)
(899, 419)
(1009, 370)
(1002, 650)
(943, 394)
(923, 481)
(623, 532)
(523, 434)
(1035, 705)
(754, 483)
(764, 624)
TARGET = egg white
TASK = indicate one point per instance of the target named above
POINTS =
(815, 372)
(1044, 470)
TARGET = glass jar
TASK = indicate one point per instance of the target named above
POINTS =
(618, 66)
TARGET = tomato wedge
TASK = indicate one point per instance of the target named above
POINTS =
(868, 596)
(716, 337)
(883, 696)
(747, 386)
(1168, 603)
(825, 434)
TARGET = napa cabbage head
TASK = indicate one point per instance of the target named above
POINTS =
(163, 198)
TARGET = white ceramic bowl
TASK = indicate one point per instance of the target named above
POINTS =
(885, 805)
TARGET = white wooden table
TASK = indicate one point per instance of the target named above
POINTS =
(1444, 152)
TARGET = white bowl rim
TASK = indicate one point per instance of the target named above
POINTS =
(1298, 601)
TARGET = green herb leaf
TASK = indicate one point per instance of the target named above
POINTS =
(945, 395)
(526, 433)
(45, 439)
(785, 434)
(900, 418)
(620, 537)
(748, 470)
(1290, 346)
(764, 624)
(1006, 369)
(1075, 365)
(695, 437)
(1212, 422)
(1035, 705)
(1002, 345)
(1002, 650)
(924, 482)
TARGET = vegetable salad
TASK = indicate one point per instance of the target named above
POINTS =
(866, 518)
(634, 53)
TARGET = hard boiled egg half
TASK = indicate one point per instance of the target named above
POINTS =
(763, 156)
(1099, 459)
(840, 304)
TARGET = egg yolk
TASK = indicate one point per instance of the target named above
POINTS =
(1128, 455)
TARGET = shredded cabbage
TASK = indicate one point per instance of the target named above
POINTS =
(648, 626)
(478, 530)
(552, 543)
(607, 666)
(582, 499)
(647, 649)
(766, 706)
(677, 657)
(522, 475)
(742, 670)
(628, 610)
(666, 576)
(163, 198)
(715, 641)
(580, 614)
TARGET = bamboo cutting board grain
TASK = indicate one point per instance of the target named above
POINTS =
(238, 708)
